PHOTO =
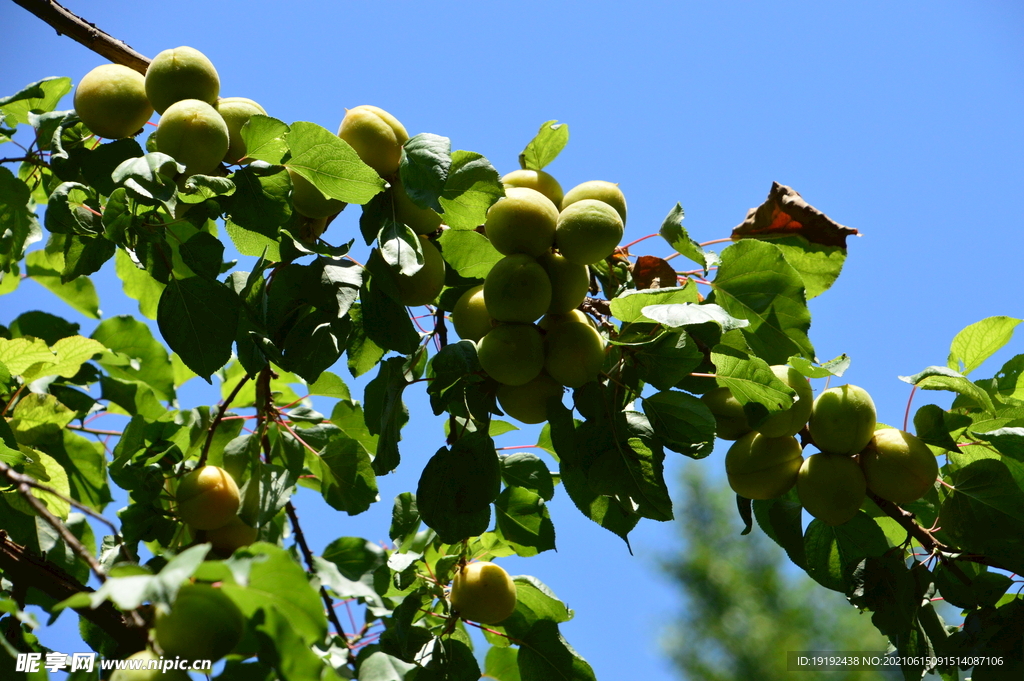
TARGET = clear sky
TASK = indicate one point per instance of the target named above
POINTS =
(902, 120)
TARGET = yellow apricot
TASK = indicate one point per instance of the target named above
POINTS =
(512, 354)
(483, 592)
(570, 282)
(376, 136)
(194, 134)
(517, 289)
(600, 190)
(588, 231)
(573, 354)
(420, 220)
(181, 73)
(470, 316)
(310, 201)
(522, 222)
(792, 420)
(426, 284)
(111, 101)
(207, 498)
(538, 180)
(236, 112)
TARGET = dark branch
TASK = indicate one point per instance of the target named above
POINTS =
(81, 31)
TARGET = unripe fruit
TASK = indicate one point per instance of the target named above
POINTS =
(144, 674)
(760, 467)
(831, 487)
(573, 354)
(470, 316)
(730, 420)
(181, 73)
(376, 136)
(236, 112)
(426, 284)
(512, 354)
(588, 231)
(600, 190)
(791, 421)
(420, 220)
(203, 624)
(207, 498)
(842, 420)
(550, 321)
(522, 222)
(111, 101)
(232, 536)
(528, 402)
(569, 282)
(194, 134)
(898, 466)
(310, 201)
(483, 592)
(517, 289)
(537, 180)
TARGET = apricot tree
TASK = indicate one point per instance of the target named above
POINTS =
(643, 344)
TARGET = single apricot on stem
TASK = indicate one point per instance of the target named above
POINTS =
(470, 316)
(181, 73)
(207, 498)
(842, 420)
(230, 537)
(376, 136)
(600, 190)
(483, 592)
(792, 420)
(203, 624)
(517, 289)
(537, 180)
(831, 487)
(522, 222)
(512, 354)
(898, 466)
(730, 419)
(528, 402)
(111, 101)
(194, 134)
(760, 467)
(587, 231)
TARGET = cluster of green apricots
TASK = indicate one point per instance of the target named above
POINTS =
(548, 239)
(767, 461)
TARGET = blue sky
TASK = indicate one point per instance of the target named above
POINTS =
(902, 120)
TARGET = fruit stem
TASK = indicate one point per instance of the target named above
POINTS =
(91, 431)
(625, 248)
(715, 241)
(906, 414)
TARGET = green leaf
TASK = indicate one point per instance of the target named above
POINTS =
(47, 470)
(668, 360)
(472, 187)
(457, 487)
(985, 512)
(526, 470)
(331, 164)
(363, 353)
(80, 294)
(469, 253)
(754, 282)
(99, 166)
(347, 481)
(545, 146)
(1007, 441)
(676, 316)
(752, 383)
(930, 427)
(545, 655)
(780, 519)
(138, 284)
(424, 168)
(629, 306)
(137, 355)
(833, 552)
(979, 341)
(817, 264)
(405, 517)
(941, 378)
(401, 248)
(197, 318)
(355, 557)
(19, 354)
(380, 666)
(200, 188)
(149, 179)
(19, 228)
(523, 520)
(260, 205)
(38, 97)
(834, 367)
(384, 321)
(681, 422)
(386, 414)
(675, 234)
(264, 138)
(286, 651)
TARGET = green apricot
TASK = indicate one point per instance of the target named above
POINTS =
(570, 282)
(550, 321)
(842, 420)
(522, 222)
(203, 624)
(573, 354)
(512, 354)
(470, 316)
(760, 467)
(181, 73)
(898, 466)
(236, 112)
(310, 201)
(588, 231)
(537, 180)
(232, 536)
(376, 136)
(194, 134)
(730, 420)
(528, 402)
(156, 673)
(517, 289)
(423, 221)
(600, 190)
(426, 284)
(831, 487)
(111, 101)
(791, 421)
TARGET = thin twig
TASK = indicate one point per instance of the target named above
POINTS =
(81, 31)
(216, 421)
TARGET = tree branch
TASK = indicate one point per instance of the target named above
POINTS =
(81, 31)
(26, 569)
